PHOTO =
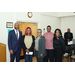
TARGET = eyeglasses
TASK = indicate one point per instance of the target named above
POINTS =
(38, 32)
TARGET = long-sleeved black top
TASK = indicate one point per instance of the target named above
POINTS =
(24, 46)
(59, 43)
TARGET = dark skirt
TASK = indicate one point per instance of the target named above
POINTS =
(58, 54)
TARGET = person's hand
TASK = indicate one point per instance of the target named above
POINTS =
(68, 40)
(41, 55)
(63, 55)
(11, 51)
(27, 51)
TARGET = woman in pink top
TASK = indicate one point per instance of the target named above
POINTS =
(49, 45)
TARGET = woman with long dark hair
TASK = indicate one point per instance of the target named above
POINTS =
(59, 45)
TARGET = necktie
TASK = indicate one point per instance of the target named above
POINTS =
(17, 34)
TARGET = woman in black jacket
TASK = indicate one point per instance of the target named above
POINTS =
(28, 43)
(59, 45)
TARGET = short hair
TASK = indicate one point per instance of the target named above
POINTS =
(15, 23)
(27, 29)
(48, 26)
(68, 28)
(40, 30)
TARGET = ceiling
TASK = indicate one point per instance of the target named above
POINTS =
(58, 14)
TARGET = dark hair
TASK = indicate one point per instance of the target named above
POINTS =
(29, 28)
(59, 32)
(48, 26)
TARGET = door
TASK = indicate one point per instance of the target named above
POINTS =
(24, 25)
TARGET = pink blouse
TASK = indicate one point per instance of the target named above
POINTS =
(49, 40)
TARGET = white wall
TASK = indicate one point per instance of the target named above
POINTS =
(22, 16)
(5, 17)
(68, 22)
(54, 22)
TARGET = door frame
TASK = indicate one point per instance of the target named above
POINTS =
(38, 22)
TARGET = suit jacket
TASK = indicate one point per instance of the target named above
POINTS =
(13, 43)
(24, 46)
(41, 49)
(66, 37)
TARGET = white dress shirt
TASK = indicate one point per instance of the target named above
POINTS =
(16, 32)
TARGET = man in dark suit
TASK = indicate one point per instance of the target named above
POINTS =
(14, 43)
(68, 36)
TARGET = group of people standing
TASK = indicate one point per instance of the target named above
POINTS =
(47, 46)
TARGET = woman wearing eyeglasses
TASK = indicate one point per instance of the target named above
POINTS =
(40, 51)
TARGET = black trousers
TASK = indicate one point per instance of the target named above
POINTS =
(38, 59)
(15, 54)
(50, 55)
(58, 55)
